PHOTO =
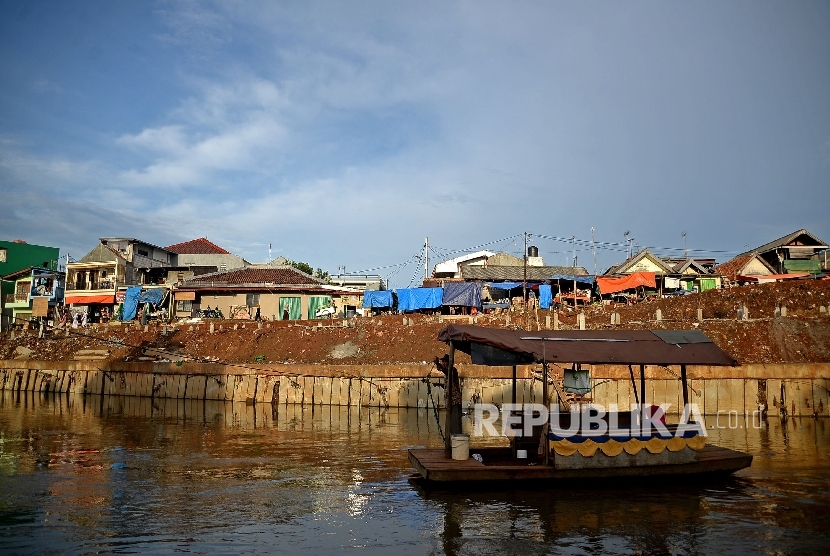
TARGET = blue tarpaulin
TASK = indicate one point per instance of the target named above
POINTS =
(504, 285)
(412, 299)
(467, 294)
(372, 298)
(569, 278)
(545, 296)
(131, 302)
(153, 296)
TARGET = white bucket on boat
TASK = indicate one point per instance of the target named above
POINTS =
(521, 454)
(460, 444)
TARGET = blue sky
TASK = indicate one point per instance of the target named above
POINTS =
(343, 133)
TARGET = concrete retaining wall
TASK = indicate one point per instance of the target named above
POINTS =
(797, 389)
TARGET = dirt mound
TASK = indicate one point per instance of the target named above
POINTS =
(803, 336)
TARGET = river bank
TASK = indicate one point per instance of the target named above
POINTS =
(784, 389)
(91, 474)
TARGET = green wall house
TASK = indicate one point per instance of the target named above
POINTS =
(17, 255)
(30, 283)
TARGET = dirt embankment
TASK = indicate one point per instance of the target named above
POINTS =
(803, 336)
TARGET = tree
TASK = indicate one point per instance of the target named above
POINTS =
(308, 269)
(305, 267)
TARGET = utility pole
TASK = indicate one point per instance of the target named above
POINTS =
(524, 276)
(573, 244)
(594, 250)
(685, 248)
(426, 258)
(626, 244)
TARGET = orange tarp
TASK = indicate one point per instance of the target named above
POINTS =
(87, 299)
(635, 280)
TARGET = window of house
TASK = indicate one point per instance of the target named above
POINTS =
(144, 252)
(252, 299)
(4, 253)
(223, 267)
(184, 305)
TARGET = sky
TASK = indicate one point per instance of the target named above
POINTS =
(345, 133)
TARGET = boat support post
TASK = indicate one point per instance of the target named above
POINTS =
(546, 426)
(684, 382)
(643, 385)
(448, 394)
(513, 400)
(634, 385)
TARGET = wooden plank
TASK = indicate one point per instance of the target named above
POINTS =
(821, 397)
(195, 387)
(710, 396)
(306, 394)
(266, 389)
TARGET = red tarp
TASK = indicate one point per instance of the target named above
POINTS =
(635, 280)
(87, 299)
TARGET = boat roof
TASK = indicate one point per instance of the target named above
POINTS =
(500, 347)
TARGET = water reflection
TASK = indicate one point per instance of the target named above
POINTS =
(85, 474)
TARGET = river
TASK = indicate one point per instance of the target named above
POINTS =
(83, 475)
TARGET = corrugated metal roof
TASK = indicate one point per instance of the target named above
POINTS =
(102, 254)
(783, 241)
(273, 276)
(619, 347)
(516, 273)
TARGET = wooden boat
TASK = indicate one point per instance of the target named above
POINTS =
(626, 451)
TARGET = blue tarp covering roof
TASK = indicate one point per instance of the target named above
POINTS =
(545, 296)
(504, 285)
(153, 296)
(412, 299)
(467, 294)
(373, 298)
(569, 278)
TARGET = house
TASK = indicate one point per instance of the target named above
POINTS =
(97, 281)
(688, 274)
(514, 276)
(202, 256)
(794, 253)
(670, 274)
(36, 293)
(644, 261)
(15, 256)
(360, 282)
(451, 268)
(746, 265)
(279, 293)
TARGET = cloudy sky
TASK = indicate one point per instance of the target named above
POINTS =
(343, 133)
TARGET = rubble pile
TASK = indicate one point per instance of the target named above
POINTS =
(802, 336)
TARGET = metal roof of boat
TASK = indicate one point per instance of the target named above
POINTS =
(495, 346)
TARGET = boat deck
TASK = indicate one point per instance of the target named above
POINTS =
(433, 465)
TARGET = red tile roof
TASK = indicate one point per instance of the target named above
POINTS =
(733, 267)
(275, 276)
(199, 246)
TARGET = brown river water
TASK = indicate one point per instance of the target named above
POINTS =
(84, 475)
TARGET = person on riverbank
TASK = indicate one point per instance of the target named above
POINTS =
(454, 403)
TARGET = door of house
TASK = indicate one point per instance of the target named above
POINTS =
(293, 306)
